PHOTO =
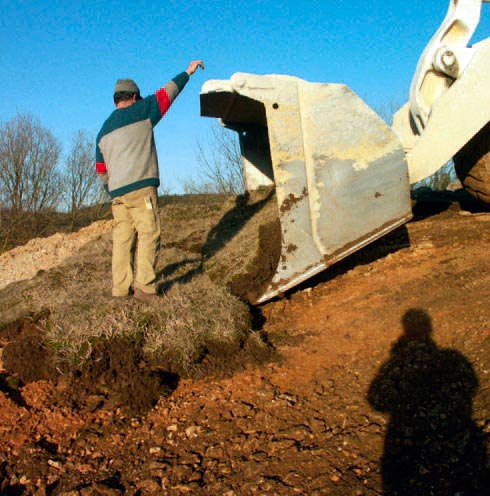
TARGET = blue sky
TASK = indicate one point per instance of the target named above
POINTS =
(60, 59)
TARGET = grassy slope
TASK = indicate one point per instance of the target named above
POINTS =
(197, 315)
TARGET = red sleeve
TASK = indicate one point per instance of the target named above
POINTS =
(100, 168)
(163, 100)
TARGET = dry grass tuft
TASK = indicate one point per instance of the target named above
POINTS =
(192, 320)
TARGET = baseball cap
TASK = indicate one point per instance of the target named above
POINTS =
(127, 85)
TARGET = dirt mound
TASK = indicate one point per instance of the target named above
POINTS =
(118, 376)
(24, 262)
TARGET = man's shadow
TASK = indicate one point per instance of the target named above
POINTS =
(432, 446)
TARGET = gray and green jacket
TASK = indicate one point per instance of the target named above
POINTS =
(125, 155)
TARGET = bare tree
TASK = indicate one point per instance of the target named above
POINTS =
(83, 188)
(387, 109)
(29, 154)
(220, 164)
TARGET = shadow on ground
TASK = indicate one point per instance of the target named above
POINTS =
(432, 444)
(232, 222)
(428, 202)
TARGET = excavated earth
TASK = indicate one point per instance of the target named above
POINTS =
(379, 384)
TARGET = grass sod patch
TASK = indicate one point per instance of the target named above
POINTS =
(186, 323)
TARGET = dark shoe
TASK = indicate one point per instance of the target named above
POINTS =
(146, 297)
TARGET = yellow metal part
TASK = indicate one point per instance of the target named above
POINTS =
(448, 94)
(455, 118)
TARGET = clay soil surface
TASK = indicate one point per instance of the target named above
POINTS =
(380, 384)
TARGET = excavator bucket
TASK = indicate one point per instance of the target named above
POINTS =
(339, 171)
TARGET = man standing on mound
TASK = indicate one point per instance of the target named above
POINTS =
(127, 163)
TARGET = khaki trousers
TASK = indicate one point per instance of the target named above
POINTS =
(135, 216)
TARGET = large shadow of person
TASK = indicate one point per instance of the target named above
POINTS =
(432, 445)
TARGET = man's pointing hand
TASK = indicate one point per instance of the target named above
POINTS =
(193, 66)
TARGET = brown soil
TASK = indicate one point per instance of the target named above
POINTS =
(26, 356)
(380, 386)
(252, 283)
(117, 376)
